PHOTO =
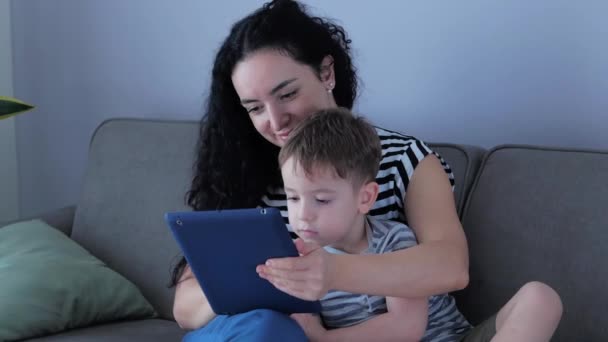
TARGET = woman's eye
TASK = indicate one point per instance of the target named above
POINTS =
(292, 198)
(253, 110)
(323, 201)
(288, 95)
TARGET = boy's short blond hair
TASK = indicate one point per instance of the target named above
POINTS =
(338, 139)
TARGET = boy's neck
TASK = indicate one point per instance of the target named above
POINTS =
(356, 241)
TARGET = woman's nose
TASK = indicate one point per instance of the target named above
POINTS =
(277, 117)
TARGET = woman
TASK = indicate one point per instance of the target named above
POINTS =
(278, 66)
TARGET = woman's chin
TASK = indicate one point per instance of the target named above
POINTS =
(275, 140)
(281, 140)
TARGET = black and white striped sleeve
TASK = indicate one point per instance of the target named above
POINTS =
(401, 154)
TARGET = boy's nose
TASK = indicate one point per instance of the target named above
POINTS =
(305, 214)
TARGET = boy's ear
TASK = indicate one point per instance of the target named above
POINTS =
(367, 196)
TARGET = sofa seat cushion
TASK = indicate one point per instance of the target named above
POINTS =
(149, 330)
(50, 283)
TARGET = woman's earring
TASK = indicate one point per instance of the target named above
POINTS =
(330, 87)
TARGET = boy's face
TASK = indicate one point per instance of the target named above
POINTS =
(322, 208)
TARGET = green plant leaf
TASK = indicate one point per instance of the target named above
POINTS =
(10, 107)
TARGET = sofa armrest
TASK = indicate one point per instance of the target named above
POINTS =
(62, 219)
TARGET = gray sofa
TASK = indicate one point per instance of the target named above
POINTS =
(529, 213)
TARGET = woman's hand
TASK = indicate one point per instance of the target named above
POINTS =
(311, 325)
(307, 277)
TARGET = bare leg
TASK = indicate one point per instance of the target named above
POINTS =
(532, 315)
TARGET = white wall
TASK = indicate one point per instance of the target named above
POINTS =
(477, 72)
(9, 194)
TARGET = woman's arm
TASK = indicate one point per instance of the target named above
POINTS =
(440, 261)
(405, 321)
(190, 307)
(438, 264)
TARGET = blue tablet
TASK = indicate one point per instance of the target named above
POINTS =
(223, 249)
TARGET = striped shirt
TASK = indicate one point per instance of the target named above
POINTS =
(400, 156)
(343, 309)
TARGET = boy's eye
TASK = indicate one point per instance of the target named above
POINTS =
(323, 201)
(288, 95)
(292, 198)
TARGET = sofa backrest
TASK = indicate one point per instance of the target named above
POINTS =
(464, 160)
(137, 170)
(540, 214)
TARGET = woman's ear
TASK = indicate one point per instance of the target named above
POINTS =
(328, 77)
(367, 197)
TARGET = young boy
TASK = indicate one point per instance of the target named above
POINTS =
(329, 167)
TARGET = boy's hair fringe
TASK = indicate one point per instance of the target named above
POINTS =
(338, 139)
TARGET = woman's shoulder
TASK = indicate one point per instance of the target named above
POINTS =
(395, 144)
(387, 134)
(401, 154)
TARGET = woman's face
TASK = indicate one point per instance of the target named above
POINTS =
(279, 92)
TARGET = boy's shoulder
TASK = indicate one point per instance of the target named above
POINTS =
(389, 235)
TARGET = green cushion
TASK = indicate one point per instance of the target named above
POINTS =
(48, 283)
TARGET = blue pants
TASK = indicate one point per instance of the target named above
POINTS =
(256, 325)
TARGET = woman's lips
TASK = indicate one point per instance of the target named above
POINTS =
(308, 233)
(283, 135)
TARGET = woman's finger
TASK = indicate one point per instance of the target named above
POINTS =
(286, 274)
(290, 263)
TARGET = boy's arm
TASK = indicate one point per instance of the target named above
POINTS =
(405, 320)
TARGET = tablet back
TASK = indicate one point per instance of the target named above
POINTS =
(223, 249)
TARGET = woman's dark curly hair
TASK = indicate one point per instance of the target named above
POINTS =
(235, 164)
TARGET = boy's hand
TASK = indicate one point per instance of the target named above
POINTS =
(307, 277)
(311, 324)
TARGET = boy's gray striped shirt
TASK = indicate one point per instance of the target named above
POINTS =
(342, 309)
